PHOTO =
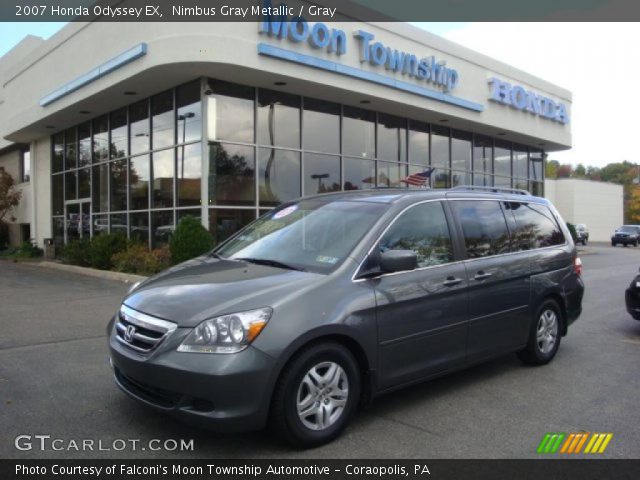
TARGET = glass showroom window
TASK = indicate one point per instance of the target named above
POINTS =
(392, 138)
(278, 117)
(279, 176)
(461, 152)
(321, 122)
(482, 161)
(25, 165)
(502, 163)
(93, 176)
(138, 169)
(321, 173)
(520, 167)
(418, 142)
(358, 132)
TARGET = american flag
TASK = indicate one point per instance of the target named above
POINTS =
(419, 179)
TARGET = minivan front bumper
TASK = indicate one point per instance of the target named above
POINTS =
(228, 393)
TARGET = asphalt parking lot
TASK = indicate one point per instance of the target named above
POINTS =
(55, 380)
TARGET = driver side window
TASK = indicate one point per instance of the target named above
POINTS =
(422, 228)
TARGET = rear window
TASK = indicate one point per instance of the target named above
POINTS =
(484, 227)
(535, 226)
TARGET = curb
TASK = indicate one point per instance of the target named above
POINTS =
(92, 272)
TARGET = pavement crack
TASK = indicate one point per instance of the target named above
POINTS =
(54, 342)
(411, 426)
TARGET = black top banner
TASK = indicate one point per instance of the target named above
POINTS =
(320, 10)
(245, 469)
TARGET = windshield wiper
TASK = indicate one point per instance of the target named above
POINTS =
(216, 255)
(271, 263)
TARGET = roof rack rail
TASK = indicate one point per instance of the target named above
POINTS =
(517, 191)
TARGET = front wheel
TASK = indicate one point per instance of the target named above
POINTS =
(544, 336)
(316, 395)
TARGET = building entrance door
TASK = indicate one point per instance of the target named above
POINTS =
(77, 219)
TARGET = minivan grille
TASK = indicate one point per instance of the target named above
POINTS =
(140, 331)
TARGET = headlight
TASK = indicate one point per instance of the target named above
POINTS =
(226, 334)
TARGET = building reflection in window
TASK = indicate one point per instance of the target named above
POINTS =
(231, 174)
(321, 173)
(279, 176)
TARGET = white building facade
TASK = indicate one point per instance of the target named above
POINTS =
(599, 205)
(131, 126)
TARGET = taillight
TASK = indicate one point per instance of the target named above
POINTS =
(577, 266)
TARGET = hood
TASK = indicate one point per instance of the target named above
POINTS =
(207, 287)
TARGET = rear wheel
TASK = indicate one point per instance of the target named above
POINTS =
(544, 336)
(316, 395)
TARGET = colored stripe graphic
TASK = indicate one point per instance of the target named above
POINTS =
(572, 443)
(550, 443)
(598, 443)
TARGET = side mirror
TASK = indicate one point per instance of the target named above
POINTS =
(398, 260)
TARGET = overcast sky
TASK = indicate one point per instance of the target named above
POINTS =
(596, 61)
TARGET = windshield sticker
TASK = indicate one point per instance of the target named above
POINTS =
(323, 259)
(285, 211)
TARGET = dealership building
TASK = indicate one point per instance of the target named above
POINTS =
(129, 127)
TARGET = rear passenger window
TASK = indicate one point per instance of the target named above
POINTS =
(423, 229)
(535, 226)
(484, 227)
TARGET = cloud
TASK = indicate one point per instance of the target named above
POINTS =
(595, 61)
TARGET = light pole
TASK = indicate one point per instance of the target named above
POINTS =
(319, 177)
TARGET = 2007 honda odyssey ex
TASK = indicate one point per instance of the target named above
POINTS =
(328, 301)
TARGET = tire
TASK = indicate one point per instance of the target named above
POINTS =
(613, 244)
(625, 245)
(544, 335)
(301, 381)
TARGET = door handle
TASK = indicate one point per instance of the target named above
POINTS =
(481, 275)
(451, 281)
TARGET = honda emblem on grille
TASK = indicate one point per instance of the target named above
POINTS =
(129, 333)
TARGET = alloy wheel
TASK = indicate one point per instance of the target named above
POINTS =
(547, 331)
(322, 395)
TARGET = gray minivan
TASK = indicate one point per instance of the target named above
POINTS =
(328, 301)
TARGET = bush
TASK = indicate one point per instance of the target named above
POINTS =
(25, 250)
(77, 252)
(189, 240)
(138, 259)
(103, 247)
(572, 231)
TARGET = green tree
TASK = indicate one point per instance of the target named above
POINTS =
(551, 169)
(633, 206)
(580, 171)
(189, 240)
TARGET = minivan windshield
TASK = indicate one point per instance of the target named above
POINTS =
(628, 229)
(313, 234)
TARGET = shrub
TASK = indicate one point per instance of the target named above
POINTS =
(189, 240)
(103, 247)
(138, 259)
(25, 250)
(77, 252)
(572, 231)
